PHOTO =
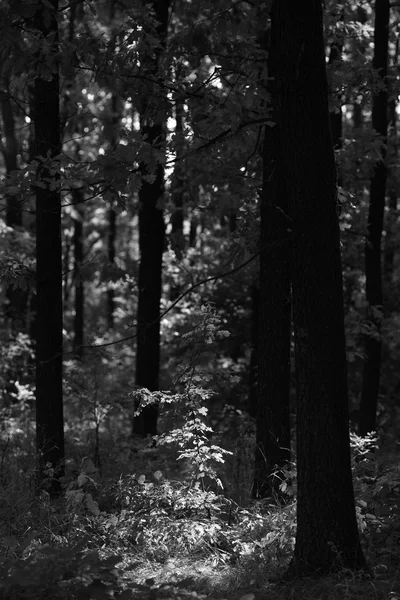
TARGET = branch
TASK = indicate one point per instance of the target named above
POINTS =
(190, 289)
(218, 138)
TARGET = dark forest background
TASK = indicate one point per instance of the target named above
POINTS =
(199, 299)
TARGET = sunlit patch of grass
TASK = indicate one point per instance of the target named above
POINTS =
(252, 581)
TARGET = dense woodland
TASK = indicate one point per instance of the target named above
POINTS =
(199, 299)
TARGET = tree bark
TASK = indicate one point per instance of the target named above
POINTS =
(253, 370)
(373, 266)
(78, 282)
(49, 400)
(327, 536)
(151, 245)
(273, 406)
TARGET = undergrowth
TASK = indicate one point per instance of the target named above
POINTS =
(146, 536)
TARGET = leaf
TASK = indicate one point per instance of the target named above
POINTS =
(92, 505)
(141, 479)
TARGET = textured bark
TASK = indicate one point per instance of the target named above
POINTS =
(49, 401)
(273, 406)
(373, 258)
(151, 246)
(327, 536)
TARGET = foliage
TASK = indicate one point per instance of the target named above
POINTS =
(192, 437)
(214, 67)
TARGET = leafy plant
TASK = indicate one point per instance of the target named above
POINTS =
(188, 406)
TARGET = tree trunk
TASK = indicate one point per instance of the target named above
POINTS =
(253, 370)
(78, 282)
(10, 151)
(151, 246)
(373, 266)
(112, 234)
(327, 536)
(392, 214)
(16, 310)
(49, 401)
(177, 238)
(112, 215)
(335, 113)
(273, 406)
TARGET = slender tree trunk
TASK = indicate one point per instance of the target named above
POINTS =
(361, 15)
(177, 238)
(335, 113)
(193, 231)
(49, 401)
(373, 266)
(78, 282)
(112, 215)
(392, 213)
(16, 309)
(10, 151)
(253, 371)
(327, 536)
(151, 246)
(273, 406)
(112, 234)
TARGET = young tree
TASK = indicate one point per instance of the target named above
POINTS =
(151, 231)
(49, 399)
(327, 536)
(373, 258)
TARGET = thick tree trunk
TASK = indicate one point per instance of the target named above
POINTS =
(327, 536)
(151, 246)
(273, 406)
(373, 266)
(49, 400)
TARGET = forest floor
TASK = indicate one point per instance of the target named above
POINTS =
(147, 536)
